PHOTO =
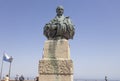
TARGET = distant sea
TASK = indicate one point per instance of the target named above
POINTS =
(32, 79)
(76, 80)
(93, 80)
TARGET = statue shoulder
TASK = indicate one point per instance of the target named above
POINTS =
(68, 20)
(53, 21)
(67, 17)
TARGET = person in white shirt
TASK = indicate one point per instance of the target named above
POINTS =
(7, 78)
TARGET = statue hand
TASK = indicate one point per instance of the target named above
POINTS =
(47, 26)
(54, 27)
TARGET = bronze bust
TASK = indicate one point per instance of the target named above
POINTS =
(60, 27)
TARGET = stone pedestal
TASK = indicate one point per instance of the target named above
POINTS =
(56, 64)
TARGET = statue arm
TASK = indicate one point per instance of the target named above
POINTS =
(70, 27)
(69, 21)
(49, 26)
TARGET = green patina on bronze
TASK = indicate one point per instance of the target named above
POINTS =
(60, 27)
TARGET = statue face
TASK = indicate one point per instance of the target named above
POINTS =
(60, 10)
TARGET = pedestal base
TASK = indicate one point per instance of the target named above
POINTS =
(56, 64)
(56, 78)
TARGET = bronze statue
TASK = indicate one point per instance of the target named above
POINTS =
(60, 27)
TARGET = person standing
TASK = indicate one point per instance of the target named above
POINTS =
(21, 78)
(6, 78)
(16, 78)
(106, 78)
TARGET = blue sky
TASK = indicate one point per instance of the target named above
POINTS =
(95, 49)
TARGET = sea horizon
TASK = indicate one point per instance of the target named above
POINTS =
(74, 79)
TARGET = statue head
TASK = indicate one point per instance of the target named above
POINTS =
(60, 10)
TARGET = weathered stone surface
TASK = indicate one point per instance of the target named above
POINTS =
(56, 78)
(56, 49)
(56, 64)
(60, 67)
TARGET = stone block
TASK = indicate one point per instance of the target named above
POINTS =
(56, 49)
(56, 78)
(58, 67)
